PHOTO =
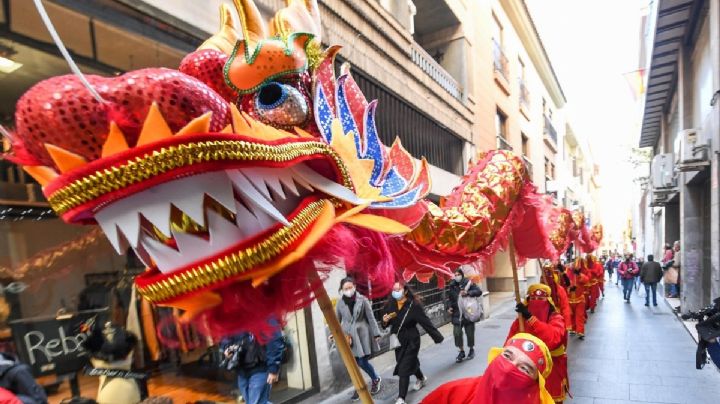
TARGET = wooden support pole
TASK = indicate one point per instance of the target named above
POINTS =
(516, 283)
(342, 345)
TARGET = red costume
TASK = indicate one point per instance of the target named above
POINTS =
(547, 324)
(559, 294)
(576, 298)
(596, 274)
(502, 382)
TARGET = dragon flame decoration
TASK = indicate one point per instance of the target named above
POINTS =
(238, 173)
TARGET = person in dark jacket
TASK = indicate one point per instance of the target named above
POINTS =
(402, 313)
(257, 365)
(650, 274)
(461, 286)
(17, 378)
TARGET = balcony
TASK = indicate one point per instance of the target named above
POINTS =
(500, 60)
(550, 133)
(503, 144)
(433, 69)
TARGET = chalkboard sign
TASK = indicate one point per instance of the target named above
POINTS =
(52, 345)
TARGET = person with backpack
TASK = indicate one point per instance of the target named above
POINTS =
(462, 288)
(17, 378)
(356, 318)
(257, 364)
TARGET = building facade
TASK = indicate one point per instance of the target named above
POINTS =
(680, 122)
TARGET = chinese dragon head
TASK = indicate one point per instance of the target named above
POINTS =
(252, 164)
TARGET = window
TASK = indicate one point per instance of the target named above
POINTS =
(522, 69)
(497, 30)
(525, 145)
(547, 167)
(501, 124)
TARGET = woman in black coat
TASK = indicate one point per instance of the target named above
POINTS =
(402, 313)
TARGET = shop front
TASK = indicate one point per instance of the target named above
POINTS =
(55, 276)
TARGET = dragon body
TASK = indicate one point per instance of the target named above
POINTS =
(252, 164)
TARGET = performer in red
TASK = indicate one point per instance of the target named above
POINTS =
(543, 320)
(578, 285)
(559, 294)
(596, 274)
(515, 374)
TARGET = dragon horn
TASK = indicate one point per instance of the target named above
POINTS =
(253, 25)
(224, 40)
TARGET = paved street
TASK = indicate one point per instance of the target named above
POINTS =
(632, 354)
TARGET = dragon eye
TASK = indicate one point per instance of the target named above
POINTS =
(281, 105)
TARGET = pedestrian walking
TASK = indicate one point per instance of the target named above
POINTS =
(461, 287)
(358, 323)
(543, 320)
(650, 275)
(257, 364)
(515, 373)
(627, 270)
(403, 312)
(672, 273)
(640, 262)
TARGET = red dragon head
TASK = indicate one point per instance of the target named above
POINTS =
(225, 172)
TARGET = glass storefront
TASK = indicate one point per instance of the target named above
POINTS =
(53, 274)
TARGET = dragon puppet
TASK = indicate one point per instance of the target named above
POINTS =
(253, 164)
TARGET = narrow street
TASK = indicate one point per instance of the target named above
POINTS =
(632, 354)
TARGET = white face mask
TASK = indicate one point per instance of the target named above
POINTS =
(458, 278)
(349, 292)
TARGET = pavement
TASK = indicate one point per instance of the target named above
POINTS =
(631, 354)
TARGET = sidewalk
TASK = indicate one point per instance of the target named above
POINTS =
(438, 360)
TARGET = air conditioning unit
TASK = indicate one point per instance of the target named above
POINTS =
(661, 172)
(692, 151)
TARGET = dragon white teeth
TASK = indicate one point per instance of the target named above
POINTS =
(126, 220)
(111, 232)
(220, 189)
(166, 258)
(246, 221)
(286, 178)
(252, 196)
(267, 178)
(191, 247)
(258, 181)
(223, 234)
(159, 215)
(326, 185)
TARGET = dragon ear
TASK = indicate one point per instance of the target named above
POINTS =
(253, 25)
(224, 40)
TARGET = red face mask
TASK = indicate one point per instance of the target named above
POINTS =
(540, 309)
(503, 383)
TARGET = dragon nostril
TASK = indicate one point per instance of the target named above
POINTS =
(271, 95)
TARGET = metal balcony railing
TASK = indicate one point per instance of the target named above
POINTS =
(503, 144)
(550, 130)
(501, 62)
(433, 69)
(524, 94)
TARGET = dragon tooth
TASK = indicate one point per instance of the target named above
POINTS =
(111, 232)
(327, 185)
(246, 221)
(191, 203)
(191, 247)
(159, 215)
(220, 189)
(258, 180)
(286, 178)
(166, 258)
(253, 197)
(222, 233)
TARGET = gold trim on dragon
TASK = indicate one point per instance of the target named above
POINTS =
(166, 159)
(233, 264)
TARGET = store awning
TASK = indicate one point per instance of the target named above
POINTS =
(673, 20)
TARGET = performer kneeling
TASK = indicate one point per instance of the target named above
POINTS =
(515, 374)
